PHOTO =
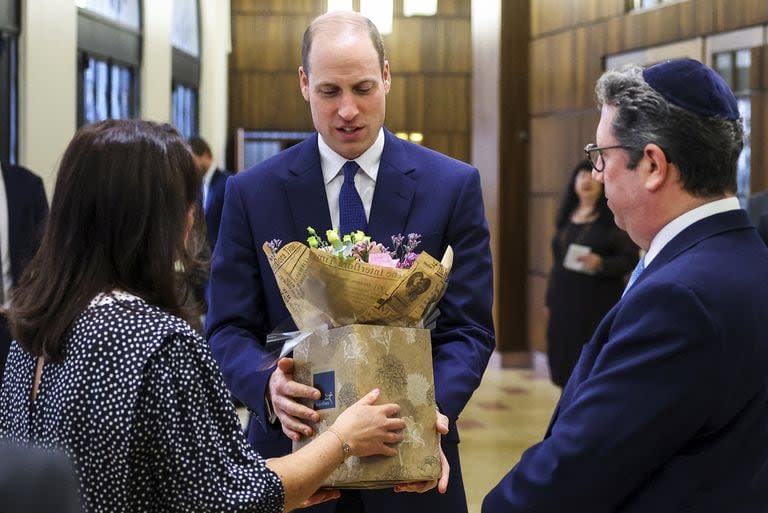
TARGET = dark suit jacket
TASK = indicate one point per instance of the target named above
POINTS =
(762, 228)
(27, 211)
(417, 191)
(667, 409)
(214, 204)
(36, 481)
(757, 205)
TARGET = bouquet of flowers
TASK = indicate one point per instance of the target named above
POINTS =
(372, 299)
(351, 279)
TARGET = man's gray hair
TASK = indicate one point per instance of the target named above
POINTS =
(705, 149)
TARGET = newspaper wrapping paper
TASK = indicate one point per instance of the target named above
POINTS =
(320, 288)
(376, 312)
(346, 363)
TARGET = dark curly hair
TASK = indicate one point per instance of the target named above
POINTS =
(570, 200)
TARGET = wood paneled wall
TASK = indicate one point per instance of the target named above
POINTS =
(569, 42)
(430, 60)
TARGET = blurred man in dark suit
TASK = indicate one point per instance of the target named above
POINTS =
(36, 481)
(23, 209)
(214, 180)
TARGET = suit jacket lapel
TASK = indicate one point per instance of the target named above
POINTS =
(305, 191)
(394, 192)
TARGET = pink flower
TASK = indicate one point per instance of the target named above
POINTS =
(382, 259)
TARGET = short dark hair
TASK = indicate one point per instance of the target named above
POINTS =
(333, 22)
(570, 200)
(118, 220)
(199, 146)
(705, 149)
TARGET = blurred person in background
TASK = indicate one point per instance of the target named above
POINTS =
(35, 480)
(591, 257)
(214, 182)
(23, 209)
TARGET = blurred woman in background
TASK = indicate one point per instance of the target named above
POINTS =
(591, 257)
(106, 368)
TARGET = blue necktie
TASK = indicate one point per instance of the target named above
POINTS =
(351, 211)
(639, 268)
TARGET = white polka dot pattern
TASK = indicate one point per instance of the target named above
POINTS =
(140, 407)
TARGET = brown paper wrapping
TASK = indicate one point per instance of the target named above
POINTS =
(347, 363)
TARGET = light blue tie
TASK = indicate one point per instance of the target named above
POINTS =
(639, 268)
(351, 210)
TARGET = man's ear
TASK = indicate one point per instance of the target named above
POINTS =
(387, 78)
(657, 167)
(304, 83)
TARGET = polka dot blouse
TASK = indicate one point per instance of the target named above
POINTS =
(140, 407)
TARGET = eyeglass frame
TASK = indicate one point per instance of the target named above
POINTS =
(592, 147)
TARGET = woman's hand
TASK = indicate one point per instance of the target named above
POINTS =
(593, 263)
(368, 427)
(320, 496)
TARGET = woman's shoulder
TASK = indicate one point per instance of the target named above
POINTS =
(130, 322)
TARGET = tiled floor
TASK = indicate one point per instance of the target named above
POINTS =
(508, 413)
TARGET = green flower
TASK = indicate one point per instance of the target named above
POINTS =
(333, 238)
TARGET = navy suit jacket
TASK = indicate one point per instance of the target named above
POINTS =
(417, 191)
(27, 211)
(667, 409)
(762, 228)
(214, 204)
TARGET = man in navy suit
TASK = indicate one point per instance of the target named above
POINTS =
(214, 181)
(23, 209)
(667, 409)
(394, 187)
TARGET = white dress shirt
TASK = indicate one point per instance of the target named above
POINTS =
(365, 182)
(682, 222)
(207, 183)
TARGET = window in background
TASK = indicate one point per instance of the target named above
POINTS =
(185, 37)
(734, 66)
(637, 5)
(253, 146)
(9, 30)
(109, 49)
(184, 102)
(108, 90)
(125, 13)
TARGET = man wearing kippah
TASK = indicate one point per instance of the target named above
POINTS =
(667, 409)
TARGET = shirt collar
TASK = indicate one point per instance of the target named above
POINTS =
(209, 174)
(680, 223)
(331, 162)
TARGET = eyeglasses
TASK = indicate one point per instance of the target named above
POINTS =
(597, 162)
